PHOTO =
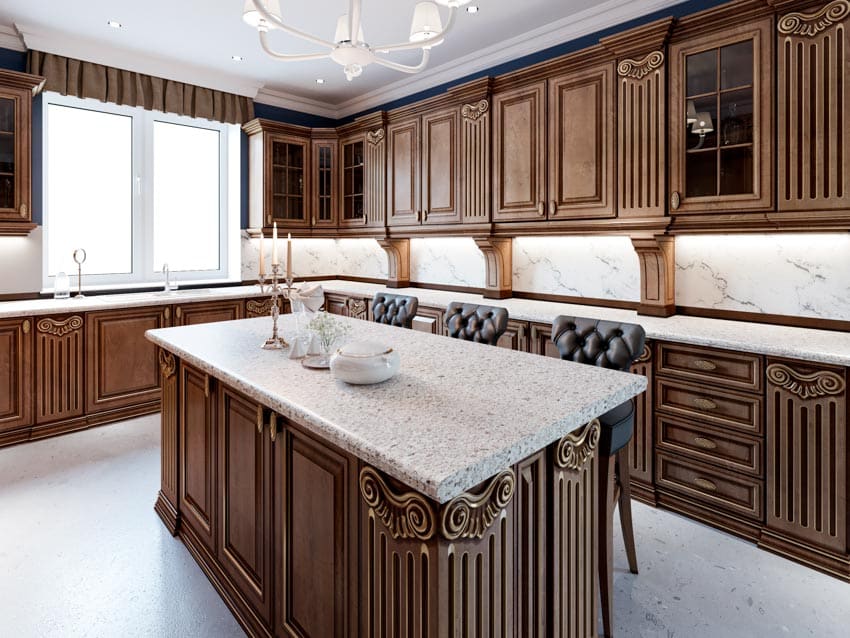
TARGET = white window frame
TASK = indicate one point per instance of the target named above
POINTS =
(144, 272)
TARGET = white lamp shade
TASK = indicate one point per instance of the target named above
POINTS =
(426, 22)
(703, 124)
(341, 33)
(691, 115)
(252, 17)
(452, 3)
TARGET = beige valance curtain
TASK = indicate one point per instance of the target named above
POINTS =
(107, 84)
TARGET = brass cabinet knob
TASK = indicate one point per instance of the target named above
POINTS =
(24, 210)
(259, 419)
(178, 312)
(675, 200)
(704, 404)
(705, 444)
(273, 427)
(167, 313)
(26, 326)
(541, 208)
(702, 364)
(553, 207)
(314, 220)
(425, 215)
(705, 484)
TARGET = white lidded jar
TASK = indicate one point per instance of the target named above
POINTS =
(365, 362)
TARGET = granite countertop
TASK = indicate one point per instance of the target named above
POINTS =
(822, 346)
(456, 414)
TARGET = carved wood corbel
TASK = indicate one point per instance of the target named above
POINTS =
(498, 261)
(398, 262)
(657, 257)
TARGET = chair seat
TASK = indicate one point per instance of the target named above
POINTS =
(617, 428)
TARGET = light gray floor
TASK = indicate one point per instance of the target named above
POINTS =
(83, 554)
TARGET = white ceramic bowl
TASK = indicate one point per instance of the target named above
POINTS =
(364, 362)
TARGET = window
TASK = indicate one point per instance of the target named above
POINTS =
(137, 190)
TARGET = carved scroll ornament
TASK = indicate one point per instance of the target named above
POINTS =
(474, 111)
(356, 307)
(60, 328)
(645, 355)
(259, 306)
(471, 515)
(573, 450)
(805, 386)
(406, 516)
(638, 69)
(167, 364)
(375, 137)
(812, 24)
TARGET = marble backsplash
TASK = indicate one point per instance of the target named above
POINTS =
(453, 261)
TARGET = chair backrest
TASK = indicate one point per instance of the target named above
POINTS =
(472, 322)
(608, 344)
(395, 310)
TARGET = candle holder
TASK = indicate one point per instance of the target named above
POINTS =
(79, 257)
(275, 342)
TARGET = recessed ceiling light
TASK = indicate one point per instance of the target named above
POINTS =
(114, 24)
(319, 81)
(237, 58)
(472, 9)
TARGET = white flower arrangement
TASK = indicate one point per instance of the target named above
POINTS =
(328, 330)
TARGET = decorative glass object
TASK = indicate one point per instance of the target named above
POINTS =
(328, 333)
(62, 286)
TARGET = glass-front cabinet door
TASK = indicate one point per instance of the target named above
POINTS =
(8, 155)
(324, 183)
(353, 180)
(721, 122)
(287, 162)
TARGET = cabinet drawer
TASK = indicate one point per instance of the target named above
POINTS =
(735, 370)
(730, 491)
(736, 452)
(715, 407)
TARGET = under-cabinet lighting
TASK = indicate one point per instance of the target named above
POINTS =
(472, 9)
(114, 24)
(237, 58)
(319, 81)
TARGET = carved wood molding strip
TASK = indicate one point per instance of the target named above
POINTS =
(812, 24)
(475, 111)
(356, 306)
(167, 364)
(406, 516)
(638, 69)
(60, 328)
(645, 355)
(574, 449)
(471, 515)
(375, 137)
(259, 306)
(805, 386)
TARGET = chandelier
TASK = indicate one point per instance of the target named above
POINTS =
(354, 53)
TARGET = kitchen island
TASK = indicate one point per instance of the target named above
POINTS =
(458, 498)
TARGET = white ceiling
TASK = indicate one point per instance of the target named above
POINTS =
(193, 41)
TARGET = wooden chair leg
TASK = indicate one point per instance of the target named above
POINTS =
(625, 504)
(605, 538)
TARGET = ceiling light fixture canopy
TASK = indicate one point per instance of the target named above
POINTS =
(353, 54)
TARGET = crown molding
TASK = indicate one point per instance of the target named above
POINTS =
(285, 100)
(11, 39)
(59, 43)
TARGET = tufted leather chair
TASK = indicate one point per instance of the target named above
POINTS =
(471, 322)
(608, 344)
(395, 310)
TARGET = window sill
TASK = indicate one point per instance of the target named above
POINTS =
(153, 286)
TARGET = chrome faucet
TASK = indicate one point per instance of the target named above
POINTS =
(168, 285)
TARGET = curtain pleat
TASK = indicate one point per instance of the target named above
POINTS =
(118, 86)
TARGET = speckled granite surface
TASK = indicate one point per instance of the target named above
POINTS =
(456, 414)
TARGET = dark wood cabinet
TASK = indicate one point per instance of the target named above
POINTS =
(363, 166)
(721, 120)
(813, 93)
(197, 448)
(642, 446)
(430, 319)
(356, 307)
(540, 340)
(16, 92)
(244, 483)
(519, 153)
(441, 172)
(191, 314)
(516, 336)
(581, 144)
(121, 364)
(404, 206)
(324, 202)
(15, 374)
(59, 368)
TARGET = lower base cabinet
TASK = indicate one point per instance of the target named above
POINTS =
(15, 375)
(59, 369)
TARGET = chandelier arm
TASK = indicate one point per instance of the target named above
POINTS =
(404, 68)
(286, 57)
(354, 21)
(401, 46)
(277, 23)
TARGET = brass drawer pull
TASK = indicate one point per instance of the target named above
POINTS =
(273, 426)
(702, 364)
(705, 444)
(705, 484)
(259, 419)
(704, 404)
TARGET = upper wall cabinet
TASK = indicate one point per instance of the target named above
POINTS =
(403, 198)
(16, 92)
(813, 94)
(721, 126)
(362, 174)
(577, 137)
(279, 176)
(324, 201)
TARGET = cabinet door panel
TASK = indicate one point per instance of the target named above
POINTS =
(581, 143)
(515, 337)
(641, 450)
(245, 467)
(15, 374)
(197, 454)
(541, 341)
(430, 320)
(208, 312)
(15, 158)
(325, 196)
(519, 159)
(403, 202)
(440, 167)
(59, 358)
(287, 185)
(121, 364)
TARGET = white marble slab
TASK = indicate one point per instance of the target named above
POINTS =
(456, 414)
(451, 261)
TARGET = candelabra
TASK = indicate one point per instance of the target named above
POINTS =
(275, 342)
